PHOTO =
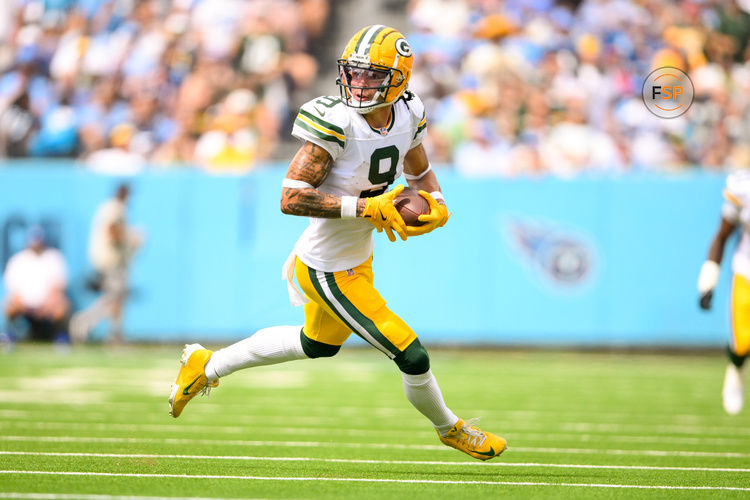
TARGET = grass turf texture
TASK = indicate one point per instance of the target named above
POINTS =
(93, 423)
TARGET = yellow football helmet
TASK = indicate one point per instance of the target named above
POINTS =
(374, 68)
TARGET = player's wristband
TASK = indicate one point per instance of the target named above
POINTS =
(410, 177)
(438, 196)
(709, 276)
(349, 207)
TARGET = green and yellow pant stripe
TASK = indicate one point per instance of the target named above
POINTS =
(346, 301)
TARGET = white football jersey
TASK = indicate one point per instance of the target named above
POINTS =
(736, 209)
(366, 162)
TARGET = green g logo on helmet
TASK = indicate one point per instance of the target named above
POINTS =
(402, 47)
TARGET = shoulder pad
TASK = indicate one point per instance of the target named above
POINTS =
(737, 189)
(418, 118)
(416, 107)
(328, 108)
(324, 121)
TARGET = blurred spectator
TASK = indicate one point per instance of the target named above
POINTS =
(58, 132)
(523, 88)
(482, 154)
(573, 145)
(734, 23)
(168, 68)
(17, 123)
(118, 158)
(99, 113)
(112, 245)
(36, 279)
(71, 73)
(231, 143)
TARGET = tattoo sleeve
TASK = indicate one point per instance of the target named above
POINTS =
(311, 164)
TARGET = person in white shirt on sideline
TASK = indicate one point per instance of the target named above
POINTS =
(36, 279)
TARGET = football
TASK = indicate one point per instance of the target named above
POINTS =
(410, 204)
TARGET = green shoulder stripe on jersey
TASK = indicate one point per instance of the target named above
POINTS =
(419, 129)
(318, 131)
(330, 126)
(421, 125)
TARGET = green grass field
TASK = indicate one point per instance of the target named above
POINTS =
(93, 424)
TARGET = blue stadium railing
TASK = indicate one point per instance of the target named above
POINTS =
(592, 261)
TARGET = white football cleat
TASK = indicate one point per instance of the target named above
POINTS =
(733, 392)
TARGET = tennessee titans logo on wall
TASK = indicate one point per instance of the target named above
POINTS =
(561, 256)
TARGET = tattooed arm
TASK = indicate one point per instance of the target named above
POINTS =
(311, 165)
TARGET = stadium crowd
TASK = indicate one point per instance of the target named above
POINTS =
(528, 87)
(120, 84)
(512, 87)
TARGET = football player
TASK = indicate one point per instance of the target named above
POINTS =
(355, 146)
(735, 213)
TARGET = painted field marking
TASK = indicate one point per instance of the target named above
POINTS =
(522, 416)
(328, 444)
(366, 461)
(234, 429)
(238, 429)
(377, 480)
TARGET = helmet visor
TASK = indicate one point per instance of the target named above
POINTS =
(364, 78)
(364, 87)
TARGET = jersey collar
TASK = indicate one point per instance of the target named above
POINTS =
(384, 131)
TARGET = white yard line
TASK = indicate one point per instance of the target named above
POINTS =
(105, 418)
(651, 453)
(285, 429)
(307, 430)
(377, 480)
(329, 444)
(645, 428)
(224, 429)
(364, 461)
(520, 416)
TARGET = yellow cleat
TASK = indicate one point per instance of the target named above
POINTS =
(473, 441)
(191, 378)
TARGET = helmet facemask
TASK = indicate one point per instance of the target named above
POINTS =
(365, 86)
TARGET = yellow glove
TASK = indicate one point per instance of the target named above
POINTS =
(437, 217)
(383, 215)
